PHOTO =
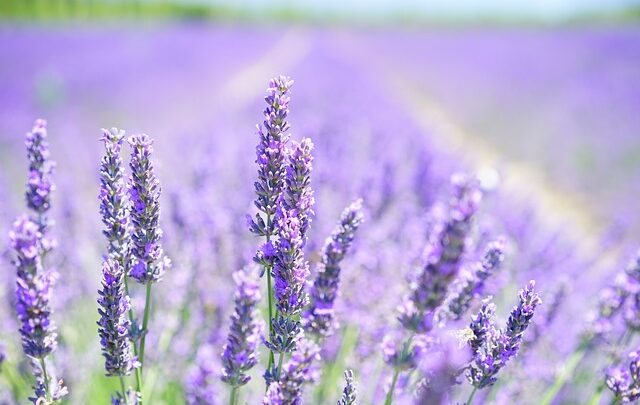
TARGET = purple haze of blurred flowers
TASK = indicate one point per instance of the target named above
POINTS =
(240, 353)
(499, 346)
(114, 323)
(444, 253)
(144, 190)
(319, 317)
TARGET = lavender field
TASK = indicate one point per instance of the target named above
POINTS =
(422, 216)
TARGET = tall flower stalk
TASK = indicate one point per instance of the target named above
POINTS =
(429, 290)
(271, 161)
(34, 283)
(493, 348)
(148, 262)
(319, 316)
(240, 352)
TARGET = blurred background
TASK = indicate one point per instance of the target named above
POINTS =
(541, 98)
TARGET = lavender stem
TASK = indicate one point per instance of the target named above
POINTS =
(145, 323)
(45, 376)
(124, 391)
(233, 399)
(473, 393)
(389, 398)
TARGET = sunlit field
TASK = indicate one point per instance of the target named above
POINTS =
(442, 215)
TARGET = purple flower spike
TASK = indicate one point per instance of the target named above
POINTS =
(114, 204)
(271, 155)
(482, 325)
(273, 396)
(149, 262)
(298, 371)
(319, 317)
(444, 253)
(297, 197)
(471, 284)
(624, 381)
(40, 183)
(290, 269)
(114, 323)
(33, 291)
(240, 353)
(499, 346)
(349, 391)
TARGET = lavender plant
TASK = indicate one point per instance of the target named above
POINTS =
(428, 292)
(240, 353)
(319, 317)
(494, 348)
(148, 262)
(271, 160)
(349, 391)
(34, 283)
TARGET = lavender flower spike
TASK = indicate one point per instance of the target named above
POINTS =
(349, 392)
(114, 323)
(114, 204)
(240, 353)
(298, 195)
(40, 184)
(149, 262)
(33, 291)
(472, 284)
(298, 371)
(271, 155)
(482, 325)
(273, 396)
(33, 295)
(444, 253)
(318, 318)
(500, 346)
(624, 382)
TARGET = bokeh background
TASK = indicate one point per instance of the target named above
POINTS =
(540, 98)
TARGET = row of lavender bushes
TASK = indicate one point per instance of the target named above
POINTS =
(445, 345)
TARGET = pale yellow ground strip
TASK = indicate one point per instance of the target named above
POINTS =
(558, 208)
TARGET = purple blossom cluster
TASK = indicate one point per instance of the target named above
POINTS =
(444, 254)
(492, 347)
(148, 260)
(240, 354)
(319, 316)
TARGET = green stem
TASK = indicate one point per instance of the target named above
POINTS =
(43, 366)
(597, 396)
(389, 398)
(280, 359)
(473, 393)
(138, 372)
(566, 372)
(233, 399)
(124, 391)
(270, 303)
(270, 295)
(145, 325)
